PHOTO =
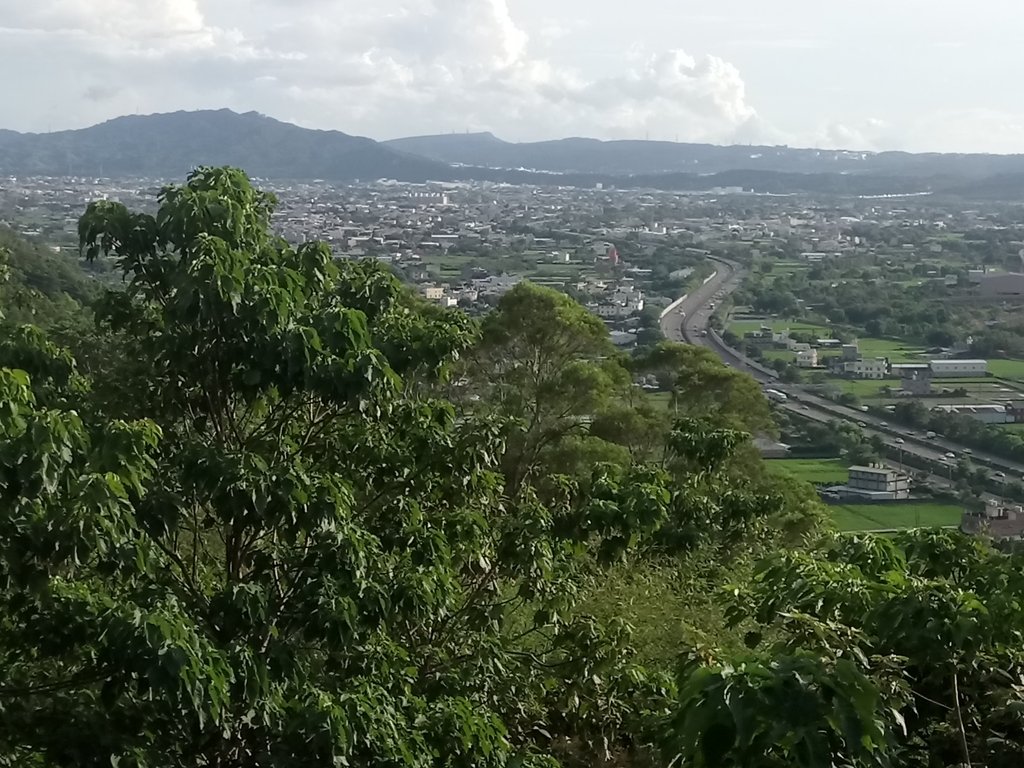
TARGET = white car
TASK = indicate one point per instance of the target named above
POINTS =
(999, 474)
(899, 441)
(950, 455)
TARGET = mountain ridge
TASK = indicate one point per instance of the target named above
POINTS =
(639, 157)
(170, 144)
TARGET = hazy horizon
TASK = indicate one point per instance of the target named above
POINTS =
(911, 76)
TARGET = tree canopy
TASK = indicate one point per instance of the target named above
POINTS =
(271, 509)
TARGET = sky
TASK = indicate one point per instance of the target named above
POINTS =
(919, 75)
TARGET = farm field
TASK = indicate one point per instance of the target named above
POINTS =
(864, 388)
(896, 351)
(1007, 369)
(659, 399)
(867, 517)
(811, 470)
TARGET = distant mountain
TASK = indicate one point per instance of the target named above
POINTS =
(169, 145)
(631, 158)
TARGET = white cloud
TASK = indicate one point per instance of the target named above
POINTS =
(389, 68)
(111, 19)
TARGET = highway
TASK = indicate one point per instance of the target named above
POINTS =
(688, 322)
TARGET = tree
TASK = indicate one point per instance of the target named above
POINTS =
(895, 651)
(548, 365)
(41, 287)
(705, 388)
(297, 556)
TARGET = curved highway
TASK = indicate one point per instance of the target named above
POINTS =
(688, 322)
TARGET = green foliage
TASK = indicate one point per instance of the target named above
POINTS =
(905, 651)
(820, 708)
(243, 528)
(704, 388)
(41, 287)
(250, 534)
(546, 364)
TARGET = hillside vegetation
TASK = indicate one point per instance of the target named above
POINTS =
(272, 509)
(42, 286)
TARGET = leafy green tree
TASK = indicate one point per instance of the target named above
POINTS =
(546, 364)
(638, 425)
(894, 651)
(265, 543)
(704, 388)
(42, 287)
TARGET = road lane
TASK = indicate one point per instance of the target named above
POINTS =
(689, 323)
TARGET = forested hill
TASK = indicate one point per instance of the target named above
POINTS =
(273, 510)
(41, 285)
(169, 145)
(639, 158)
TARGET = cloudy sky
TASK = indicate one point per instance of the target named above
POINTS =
(866, 74)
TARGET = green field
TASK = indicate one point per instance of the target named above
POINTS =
(811, 470)
(896, 351)
(1007, 369)
(659, 399)
(868, 517)
(864, 387)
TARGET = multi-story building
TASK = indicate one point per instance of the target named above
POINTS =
(868, 368)
(915, 379)
(879, 482)
(432, 292)
(850, 352)
(997, 521)
(807, 358)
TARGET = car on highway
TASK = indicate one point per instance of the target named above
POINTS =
(968, 451)
(899, 441)
(1000, 475)
(861, 424)
(950, 455)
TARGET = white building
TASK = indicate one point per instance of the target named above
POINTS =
(432, 292)
(986, 414)
(807, 358)
(496, 284)
(876, 480)
(868, 368)
(872, 483)
(947, 369)
(623, 302)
